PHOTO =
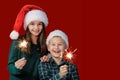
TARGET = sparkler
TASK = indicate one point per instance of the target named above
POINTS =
(23, 44)
(68, 55)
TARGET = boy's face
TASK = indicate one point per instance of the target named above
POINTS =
(56, 46)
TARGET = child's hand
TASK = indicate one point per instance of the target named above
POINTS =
(63, 70)
(44, 59)
(20, 63)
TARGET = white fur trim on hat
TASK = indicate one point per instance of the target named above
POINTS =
(35, 15)
(57, 33)
(14, 35)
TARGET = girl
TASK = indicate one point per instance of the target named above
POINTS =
(24, 59)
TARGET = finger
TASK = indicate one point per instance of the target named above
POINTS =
(17, 65)
(22, 64)
(24, 61)
(21, 67)
(41, 59)
(65, 65)
(46, 59)
(23, 58)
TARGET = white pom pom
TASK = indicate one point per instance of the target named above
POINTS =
(14, 35)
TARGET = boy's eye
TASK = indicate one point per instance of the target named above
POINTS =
(59, 44)
(53, 44)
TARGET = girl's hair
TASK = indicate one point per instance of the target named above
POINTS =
(41, 41)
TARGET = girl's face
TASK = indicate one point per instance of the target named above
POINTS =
(56, 46)
(35, 27)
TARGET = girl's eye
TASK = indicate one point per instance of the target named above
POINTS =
(40, 24)
(31, 23)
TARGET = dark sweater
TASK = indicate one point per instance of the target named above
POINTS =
(29, 71)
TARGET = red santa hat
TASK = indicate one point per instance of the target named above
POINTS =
(27, 14)
(57, 33)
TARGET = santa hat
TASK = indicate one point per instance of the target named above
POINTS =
(57, 33)
(27, 14)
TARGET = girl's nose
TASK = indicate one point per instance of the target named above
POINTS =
(35, 27)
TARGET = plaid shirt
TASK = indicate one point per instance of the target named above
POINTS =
(50, 71)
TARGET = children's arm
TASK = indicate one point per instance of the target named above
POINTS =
(13, 56)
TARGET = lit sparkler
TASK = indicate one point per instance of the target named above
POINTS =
(23, 44)
(69, 54)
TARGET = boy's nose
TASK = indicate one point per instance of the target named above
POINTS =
(56, 46)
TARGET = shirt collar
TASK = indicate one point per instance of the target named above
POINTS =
(61, 63)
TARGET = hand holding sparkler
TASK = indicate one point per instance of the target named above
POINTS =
(20, 63)
(64, 67)
(63, 70)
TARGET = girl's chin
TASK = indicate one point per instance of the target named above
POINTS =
(36, 35)
(36, 32)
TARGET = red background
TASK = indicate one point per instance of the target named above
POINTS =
(92, 27)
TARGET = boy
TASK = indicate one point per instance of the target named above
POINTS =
(57, 68)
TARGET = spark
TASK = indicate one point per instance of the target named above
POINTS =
(23, 44)
(69, 54)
